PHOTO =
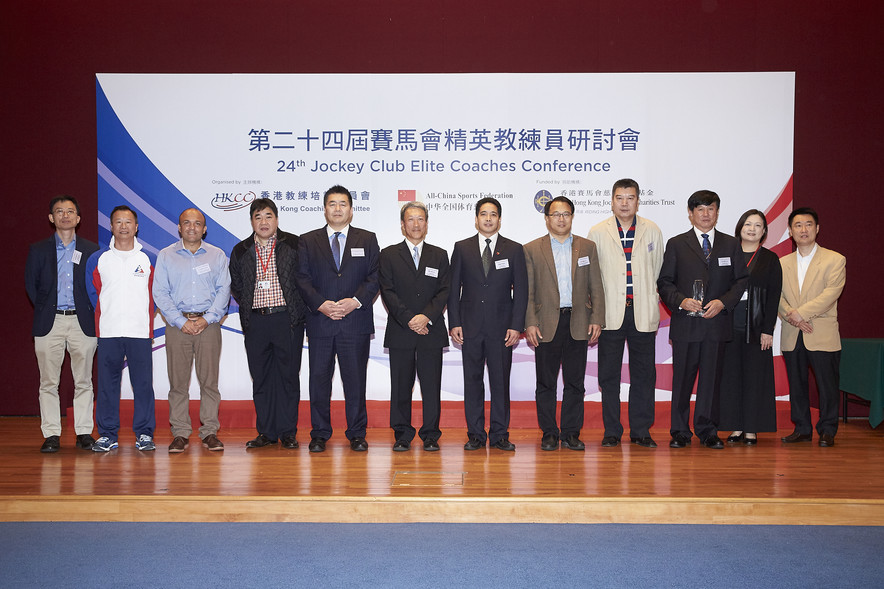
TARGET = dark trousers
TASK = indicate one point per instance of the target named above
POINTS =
(273, 351)
(113, 354)
(642, 377)
(351, 351)
(570, 355)
(700, 361)
(826, 368)
(476, 352)
(404, 364)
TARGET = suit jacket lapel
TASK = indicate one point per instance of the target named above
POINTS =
(406, 252)
(695, 246)
(546, 249)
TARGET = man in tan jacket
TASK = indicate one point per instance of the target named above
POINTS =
(630, 252)
(813, 278)
(566, 309)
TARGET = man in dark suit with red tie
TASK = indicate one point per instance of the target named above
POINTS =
(486, 315)
(703, 254)
(414, 288)
(338, 279)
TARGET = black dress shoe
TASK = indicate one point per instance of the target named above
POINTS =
(827, 440)
(750, 441)
(431, 445)
(549, 442)
(572, 442)
(316, 445)
(713, 442)
(679, 441)
(736, 438)
(473, 444)
(401, 446)
(358, 445)
(85, 441)
(50, 444)
(290, 442)
(645, 442)
(505, 445)
(608, 442)
(795, 437)
(260, 442)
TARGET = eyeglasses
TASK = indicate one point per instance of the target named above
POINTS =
(558, 216)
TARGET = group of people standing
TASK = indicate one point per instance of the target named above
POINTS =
(563, 291)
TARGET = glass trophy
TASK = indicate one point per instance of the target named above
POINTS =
(698, 294)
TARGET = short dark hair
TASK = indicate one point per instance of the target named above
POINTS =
(489, 200)
(804, 211)
(62, 198)
(123, 208)
(259, 204)
(704, 198)
(742, 221)
(625, 183)
(337, 189)
(414, 204)
(563, 199)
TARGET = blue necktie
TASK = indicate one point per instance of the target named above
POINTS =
(416, 258)
(706, 248)
(336, 249)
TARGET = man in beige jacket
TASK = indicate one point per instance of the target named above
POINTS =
(630, 250)
(566, 309)
(813, 278)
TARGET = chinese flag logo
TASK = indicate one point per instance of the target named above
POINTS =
(406, 195)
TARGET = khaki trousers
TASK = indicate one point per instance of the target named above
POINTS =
(65, 334)
(183, 351)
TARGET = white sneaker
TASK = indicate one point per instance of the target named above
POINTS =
(144, 443)
(104, 444)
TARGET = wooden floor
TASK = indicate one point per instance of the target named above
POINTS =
(767, 484)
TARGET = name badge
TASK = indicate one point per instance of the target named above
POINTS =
(203, 269)
(263, 285)
(724, 261)
(584, 261)
(357, 252)
(501, 264)
(650, 247)
(431, 272)
(76, 257)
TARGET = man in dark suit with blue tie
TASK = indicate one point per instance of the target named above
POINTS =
(338, 279)
(414, 288)
(486, 316)
(699, 328)
(64, 319)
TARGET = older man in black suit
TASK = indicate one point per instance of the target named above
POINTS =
(699, 328)
(64, 319)
(486, 315)
(338, 278)
(414, 288)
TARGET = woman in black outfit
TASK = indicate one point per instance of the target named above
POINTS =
(748, 396)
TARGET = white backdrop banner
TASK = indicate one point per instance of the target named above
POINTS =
(217, 142)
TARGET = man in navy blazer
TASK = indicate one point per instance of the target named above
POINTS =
(338, 279)
(414, 282)
(486, 316)
(702, 253)
(64, 318)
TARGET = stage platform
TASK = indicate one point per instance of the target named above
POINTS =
(770, 483)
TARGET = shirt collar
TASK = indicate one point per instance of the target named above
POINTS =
(331, 231)
(61, 246)
(183, 247)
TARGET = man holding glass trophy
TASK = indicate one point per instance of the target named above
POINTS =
(701, 281)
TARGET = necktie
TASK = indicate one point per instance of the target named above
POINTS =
(416, 257)
(336, 250)
(706, 248)
(486, 256)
